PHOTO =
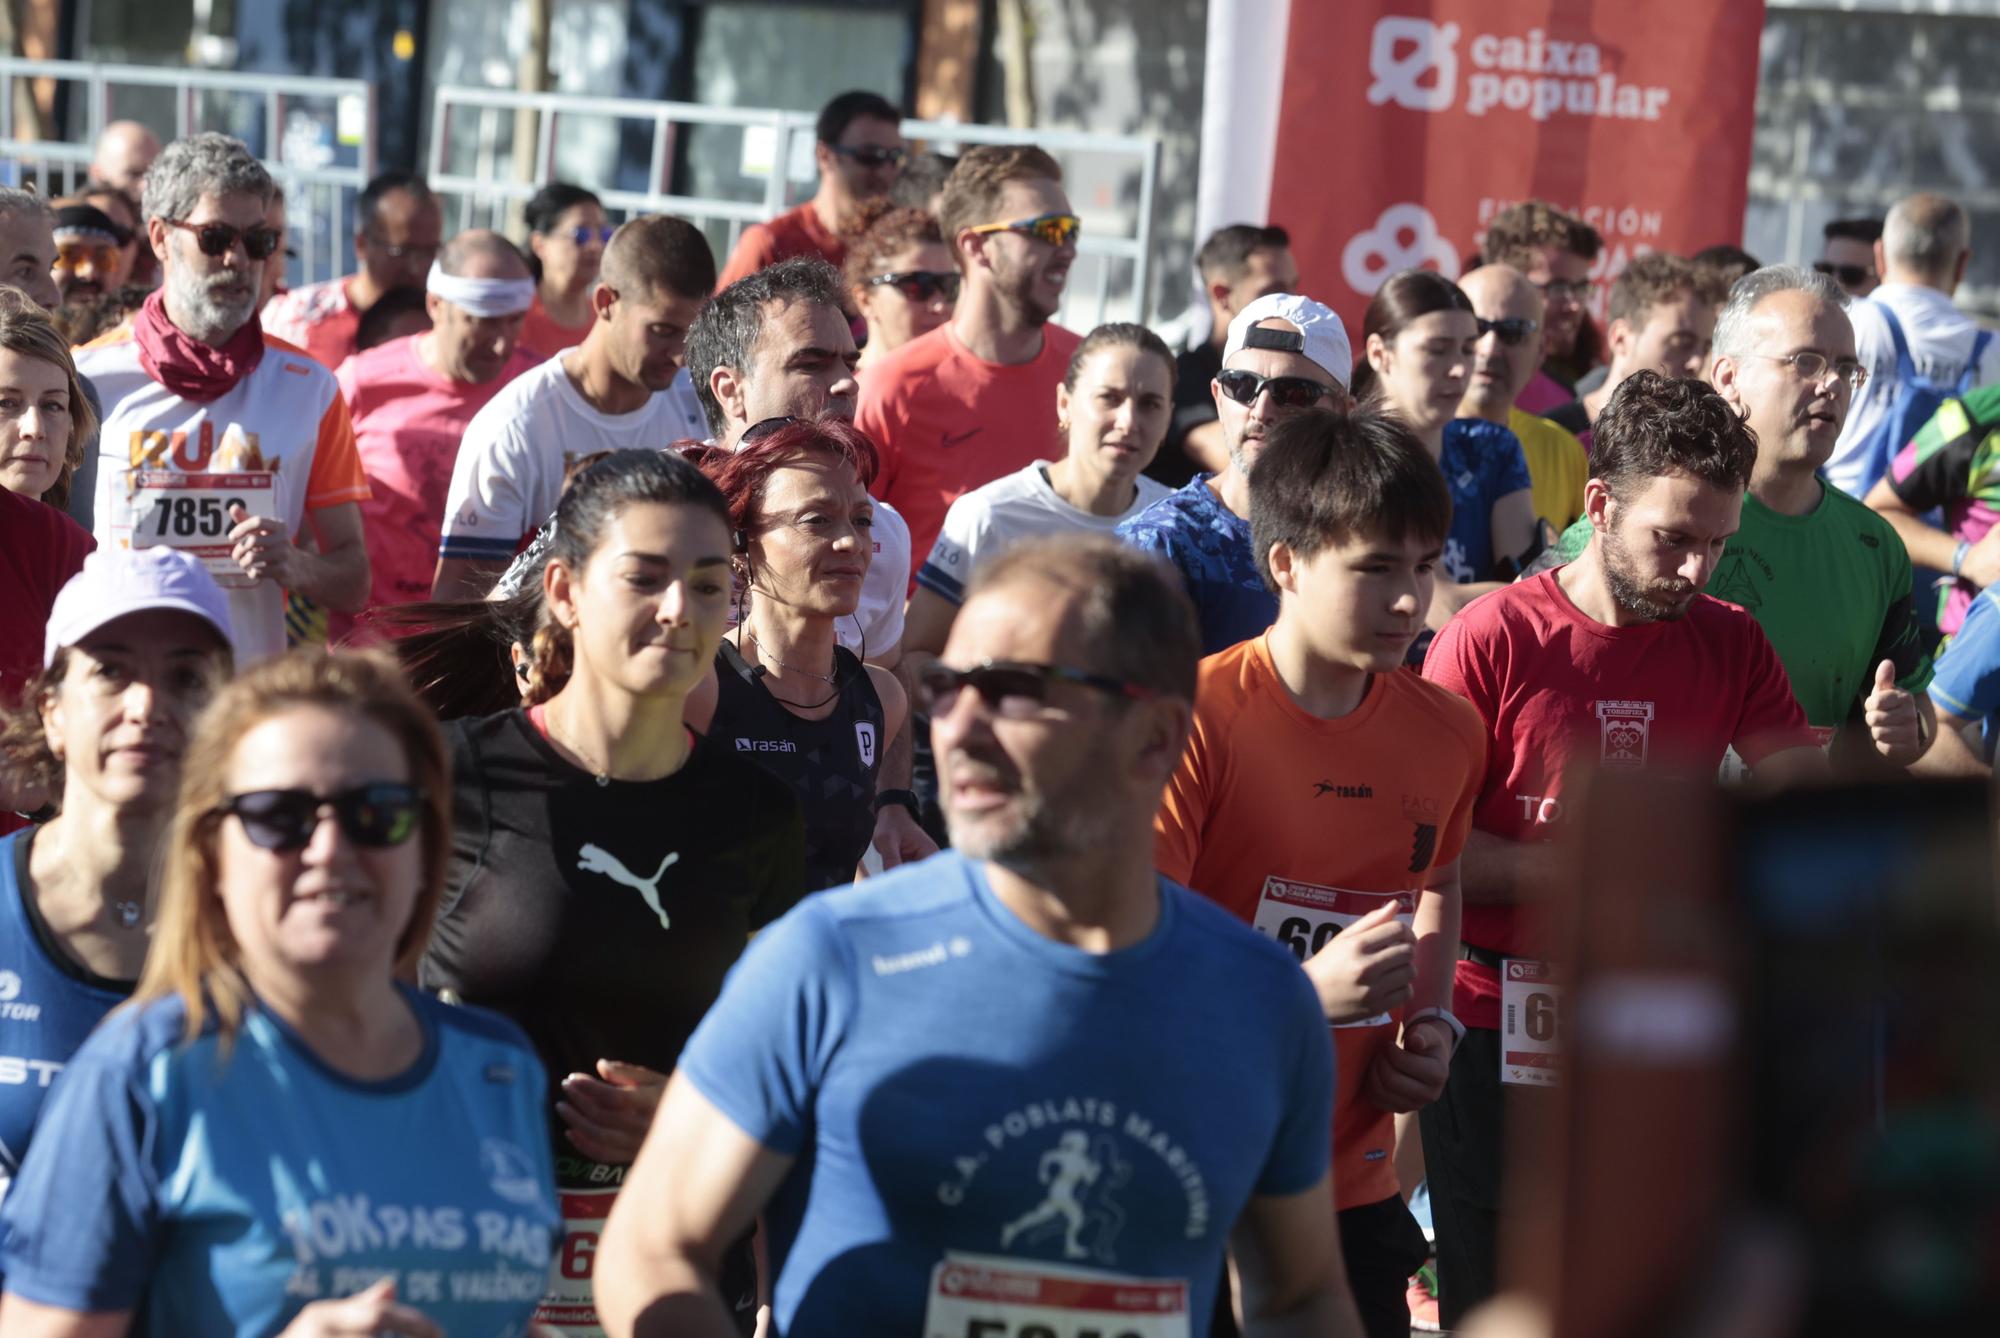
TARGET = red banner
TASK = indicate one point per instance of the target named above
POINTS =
(1406, 124)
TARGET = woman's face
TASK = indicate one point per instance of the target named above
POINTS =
(1423, 370)
(34, 422)
(569, 265)
(898, 313)
(336, 904)
(813, 538)
(1119, 411)
(648, 610)
(119, 719)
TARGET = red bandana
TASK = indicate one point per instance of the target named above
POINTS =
(191, 369)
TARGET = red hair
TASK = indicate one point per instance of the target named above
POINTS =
(741, 474)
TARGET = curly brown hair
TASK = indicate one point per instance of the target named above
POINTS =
(1517, 232)
(1658, 425)
(885, 231)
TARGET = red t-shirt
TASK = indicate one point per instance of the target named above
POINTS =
(1557, 688)
(542, 336)
(947, 422)
(796, 232)
(40, 549)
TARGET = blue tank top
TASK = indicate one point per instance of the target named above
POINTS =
(48, 1005)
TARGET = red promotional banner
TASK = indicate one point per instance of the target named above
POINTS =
(1406, 124)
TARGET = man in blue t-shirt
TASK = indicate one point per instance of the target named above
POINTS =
(1025, 1085)
(1285, 354)
(1966, 692)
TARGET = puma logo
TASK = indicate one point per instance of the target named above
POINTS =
(596, 859)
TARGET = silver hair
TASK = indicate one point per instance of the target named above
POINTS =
(1732, 327)
(14, 201)
(1926, 233)
(207, 164)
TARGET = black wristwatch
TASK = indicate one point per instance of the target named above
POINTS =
(907, 798)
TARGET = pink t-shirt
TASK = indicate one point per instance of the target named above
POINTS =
(408, 421)
(1543, 393)
(1559, 689)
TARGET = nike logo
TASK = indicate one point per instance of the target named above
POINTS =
(948, 440)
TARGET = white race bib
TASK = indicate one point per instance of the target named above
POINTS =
(1305, 917)
(190, 511)
(570, 1306)
(1530, 1024)
(982, 1296)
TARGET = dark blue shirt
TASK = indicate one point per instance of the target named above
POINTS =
(1482, 463)
(1210, 546)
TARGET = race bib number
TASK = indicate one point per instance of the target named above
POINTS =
(570, 1307)
(1305, 917)
(1530, 1024)
(172, 508)
(976, 1296)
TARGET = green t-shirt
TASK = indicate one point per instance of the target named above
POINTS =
(1831, 589)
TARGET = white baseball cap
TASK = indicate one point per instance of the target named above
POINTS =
(115, 582)
(1323, 337)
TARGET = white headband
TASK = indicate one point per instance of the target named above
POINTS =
(481, 297)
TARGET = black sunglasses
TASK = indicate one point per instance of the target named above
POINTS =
(920, 285)
(764, 427)
(1511, 329)
(1849, 276)
(1287, 392)
(215, 239)
(378, 815)
(870, 155)
(1012, 689)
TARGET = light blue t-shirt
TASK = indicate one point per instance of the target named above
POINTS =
(954, 1084)
(1968, 669)
(219, 1194)
(1482, 462)
(1210, 546)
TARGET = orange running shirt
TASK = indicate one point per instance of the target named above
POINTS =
(544, 337)
(1272, 809)
(796, 232)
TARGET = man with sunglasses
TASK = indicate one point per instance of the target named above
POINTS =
(398, 227)
(858, 149)
(1510, 310)
(218, 438)
(1847, 254)
(90, 252)
(1556, 252)
(975, 399)
(1285, 355)
(1662, 318)
(987, 1093)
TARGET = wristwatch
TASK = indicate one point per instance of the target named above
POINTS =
(1442, 1015)
(907, 798)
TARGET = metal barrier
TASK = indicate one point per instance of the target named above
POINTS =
(284, 131)
(471, 156)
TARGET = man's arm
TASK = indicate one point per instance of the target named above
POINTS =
(698, 1184)
(1496, 871)
(1953, 754)
(465, 579)
(1928, 546)
(899, 838)
(1449, 596)
(1789, 767)
(336, 575)
(1290, 1278)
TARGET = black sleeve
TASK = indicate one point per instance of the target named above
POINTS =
(471, 817)
(1901, 643)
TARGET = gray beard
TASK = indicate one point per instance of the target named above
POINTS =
(206, 318)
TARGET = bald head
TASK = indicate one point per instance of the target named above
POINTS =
(1498, 291)
(1926, 239)
(1502, 294)
(124, 152)
(480, 253)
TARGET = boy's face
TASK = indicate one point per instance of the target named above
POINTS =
(1360, 602)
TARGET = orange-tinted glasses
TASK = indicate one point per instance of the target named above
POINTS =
(1055, 229)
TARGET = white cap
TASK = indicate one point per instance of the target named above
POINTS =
(115, 582)
(1325, 337)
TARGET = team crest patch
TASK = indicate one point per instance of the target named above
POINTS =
(864, 738)
(1625, 729)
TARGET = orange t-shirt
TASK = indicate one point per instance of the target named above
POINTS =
(796, 232)
(1287, 820)
(946, 422)
(542, 336)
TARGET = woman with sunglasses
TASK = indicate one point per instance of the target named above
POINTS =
(1112, 412)
(813, 713)
(1420, 334)
(902, 279)
(45, 418)
(135, 644)
(567, 234)
(608, 866)
(280, 1136)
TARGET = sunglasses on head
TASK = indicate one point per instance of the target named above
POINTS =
(1055, 229)
(920, 285)
(373, 816)
(585, 236)
(1848, 276)
(216, 239)
(870, 155)
(1511, 329)
(1010, 688)
(1287, 392)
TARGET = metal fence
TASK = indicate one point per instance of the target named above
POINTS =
(317, 136)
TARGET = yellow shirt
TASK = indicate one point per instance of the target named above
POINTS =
(1557, 467)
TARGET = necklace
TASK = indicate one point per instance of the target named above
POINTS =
(831, 680)
(127, 913)
(602, 777)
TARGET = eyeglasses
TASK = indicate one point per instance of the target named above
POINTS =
(870, 155)
(76, 257)
(1812, 367)
(1511, 329)
(585, 236)
(1055, 229)
(374, 816)
(1573, 289)
(1849, 276)
(920, 285)
(1287, 392)
(1011, 689)
(215, 239)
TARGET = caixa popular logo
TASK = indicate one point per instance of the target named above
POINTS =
(1405, 236)
(1414, 63)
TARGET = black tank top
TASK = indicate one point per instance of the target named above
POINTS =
(830, 764)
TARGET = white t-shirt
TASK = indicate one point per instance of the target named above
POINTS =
(509, 473)
(990, 519)
(1940, 338)
(877, 623)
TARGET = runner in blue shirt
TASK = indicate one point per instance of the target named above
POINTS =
(1025, 1086)
(1966, 692)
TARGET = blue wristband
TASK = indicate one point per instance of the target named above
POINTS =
(1958, 555)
